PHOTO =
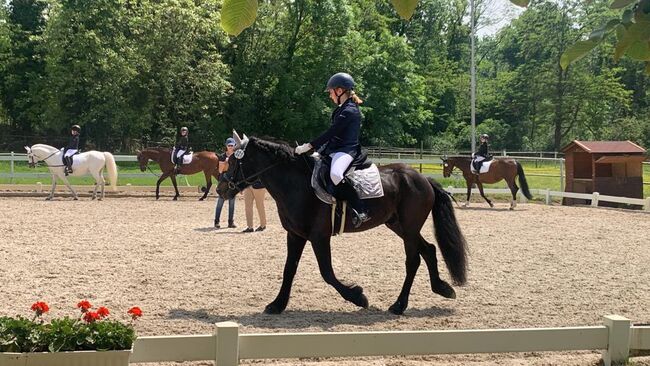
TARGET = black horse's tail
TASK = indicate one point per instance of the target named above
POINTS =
(522, 181)
(450, 240)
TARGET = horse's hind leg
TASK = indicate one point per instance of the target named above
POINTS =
(352, 292)
(208, 181)
(480, 189)
(173, 178)
(412, 265)
(513, 189)
(438, 286)
(295, 246)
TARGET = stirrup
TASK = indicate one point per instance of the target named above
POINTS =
(359, 218)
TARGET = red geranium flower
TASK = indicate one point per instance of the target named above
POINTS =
(84, 305)
(102, 312)
(135, 312)
(40, 307)
(91, 316)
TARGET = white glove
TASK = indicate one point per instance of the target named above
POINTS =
(303, 148)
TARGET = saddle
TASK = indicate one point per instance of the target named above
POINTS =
(481, 166)
(187, 156)
(70, 157)
(362, 174)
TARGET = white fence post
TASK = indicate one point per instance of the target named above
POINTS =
(227, 335)
(647, 204)
(618, 340)
(547, 196)
(11, 168)
(594, 199)
(562, 175)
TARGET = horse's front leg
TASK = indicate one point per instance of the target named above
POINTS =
(67, 183)
(351, 292)
(295, 246)
(53, 188)
(162, 177)
(94, 192)
(469, 191)
(480, 189)
(173, 178)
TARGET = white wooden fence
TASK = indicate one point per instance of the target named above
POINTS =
(595, 197)
(226, 347)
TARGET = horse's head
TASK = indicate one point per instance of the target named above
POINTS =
(252, 158)
(447, 166)
(31, 157)
(143, 160)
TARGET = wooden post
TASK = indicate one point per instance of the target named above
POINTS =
(618, 340)
(562, 162)
(594, 199)
(227, 338)
(647, 204)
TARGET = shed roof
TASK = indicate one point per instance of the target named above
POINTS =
(607, 147)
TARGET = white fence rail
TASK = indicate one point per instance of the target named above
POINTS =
(226, 347)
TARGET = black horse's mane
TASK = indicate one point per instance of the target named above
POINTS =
(278, 148)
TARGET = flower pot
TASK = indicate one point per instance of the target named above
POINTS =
(75, 358)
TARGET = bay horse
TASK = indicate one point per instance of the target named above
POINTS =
(507, 169)
(90, 162)
(205, 161)
(409, 198)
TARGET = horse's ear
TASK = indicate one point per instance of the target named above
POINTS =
(237, 139)
(245, 138)
(27, 148)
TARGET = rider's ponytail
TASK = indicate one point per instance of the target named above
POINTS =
(355, 97)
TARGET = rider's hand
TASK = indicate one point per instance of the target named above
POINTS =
(303, 148)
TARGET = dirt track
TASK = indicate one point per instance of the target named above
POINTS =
(538, 266)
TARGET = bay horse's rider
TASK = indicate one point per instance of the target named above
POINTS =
(181, 146)
(341, 141)
(71, 149)
(482, 154)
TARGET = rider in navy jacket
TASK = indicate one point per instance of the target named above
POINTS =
(72, 148)
(342, 139)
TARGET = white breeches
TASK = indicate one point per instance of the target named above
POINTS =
(180, 153)
(70, 152)
(479, 158)
(340, 162)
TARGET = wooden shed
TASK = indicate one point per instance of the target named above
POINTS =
(612, 168)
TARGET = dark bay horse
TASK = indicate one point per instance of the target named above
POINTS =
(409, 199)
(205, 161)
(507, 169)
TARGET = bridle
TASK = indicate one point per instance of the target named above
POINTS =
(239, 185)
(32, 162)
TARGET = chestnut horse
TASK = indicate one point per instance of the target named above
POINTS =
(409, 198)
(205, 161)
(500, 169)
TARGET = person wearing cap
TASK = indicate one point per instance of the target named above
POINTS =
(482, 154)
(230, 149)
(71, 149)
(181, 146)
(341, 141)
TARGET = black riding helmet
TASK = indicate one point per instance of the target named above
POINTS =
(76, 128)
(340, 80)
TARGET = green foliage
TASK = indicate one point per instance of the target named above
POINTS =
(65, 334)
(238, 15)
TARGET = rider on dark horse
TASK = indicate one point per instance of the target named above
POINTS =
(341, 141)
(71, 149)
(181, 146)
(482, 154)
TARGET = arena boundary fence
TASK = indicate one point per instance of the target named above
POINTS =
(226, 347)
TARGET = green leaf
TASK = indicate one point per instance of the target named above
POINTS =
(636, 32)
(618, 4)
(522, 3)
(579, 50)
(627, 16)
(237, 15)
(639, 51)
(599, 33)
(405, 8)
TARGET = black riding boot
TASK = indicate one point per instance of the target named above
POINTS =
(68, 165)
(345, 191)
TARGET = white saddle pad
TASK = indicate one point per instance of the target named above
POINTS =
(367, 182)
(186, 159)
(484, 168)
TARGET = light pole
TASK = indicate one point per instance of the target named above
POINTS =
(472, 71)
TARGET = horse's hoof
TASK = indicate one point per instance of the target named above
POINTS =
(398, 308)
(466, 204)
(272, 308)
(358, 298)
(92, 199)
(491, 204)
(201, 199)
(443, 289)
(512, 208)
(175, 198)
(48, 198)
(157, 198)
(76, 198)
